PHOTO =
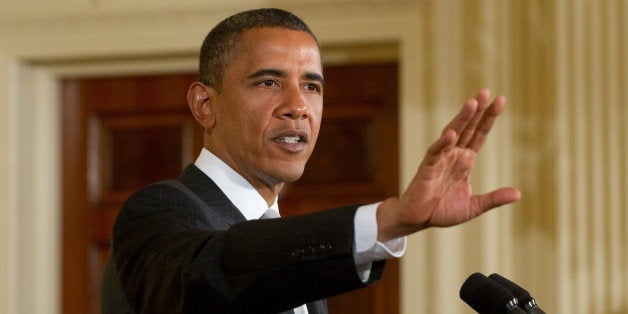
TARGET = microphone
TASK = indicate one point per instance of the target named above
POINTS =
(488, 297)
(525, 300)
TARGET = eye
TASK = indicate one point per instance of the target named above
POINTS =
(313, 87)
(267, 83)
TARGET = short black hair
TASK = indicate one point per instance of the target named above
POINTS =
(220, 44)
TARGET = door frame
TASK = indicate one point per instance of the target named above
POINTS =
(34, 270)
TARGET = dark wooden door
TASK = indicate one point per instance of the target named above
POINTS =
(122, 133)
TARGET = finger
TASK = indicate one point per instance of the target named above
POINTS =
(447, 140)
(464, 116)
(496, 198)
(486, 124)
(467, 134)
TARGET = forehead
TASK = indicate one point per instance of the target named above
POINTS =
(272, 44)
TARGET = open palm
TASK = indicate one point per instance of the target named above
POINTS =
(440, 194)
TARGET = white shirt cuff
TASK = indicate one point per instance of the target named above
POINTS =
(367, 248)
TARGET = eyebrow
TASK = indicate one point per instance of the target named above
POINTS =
(279, 73)
(315, 77)
(267, 72)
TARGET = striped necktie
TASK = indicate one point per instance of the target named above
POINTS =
(270, 214)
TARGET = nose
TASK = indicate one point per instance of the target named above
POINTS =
(296, 113)
(294, 106)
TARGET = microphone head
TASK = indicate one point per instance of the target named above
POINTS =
(486, 296)
(521, 294)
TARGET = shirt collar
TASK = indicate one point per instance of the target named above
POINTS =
(239, 191)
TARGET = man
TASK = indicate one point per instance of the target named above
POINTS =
(196, 245)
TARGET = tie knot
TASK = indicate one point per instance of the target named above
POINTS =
(269, 214)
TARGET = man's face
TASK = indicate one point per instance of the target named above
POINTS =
(268, 112)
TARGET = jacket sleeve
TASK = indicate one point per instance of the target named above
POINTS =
(171, 257)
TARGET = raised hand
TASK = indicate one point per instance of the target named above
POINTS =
(440, 194)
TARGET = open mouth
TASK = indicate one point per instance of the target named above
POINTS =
(290, 139)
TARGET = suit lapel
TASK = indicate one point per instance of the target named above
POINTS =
(203, 187)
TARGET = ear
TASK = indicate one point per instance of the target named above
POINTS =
(199, 99)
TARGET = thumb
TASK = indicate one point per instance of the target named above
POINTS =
(496, 198)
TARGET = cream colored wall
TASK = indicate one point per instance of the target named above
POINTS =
(561, 64)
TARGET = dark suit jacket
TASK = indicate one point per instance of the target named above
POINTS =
(182, 246)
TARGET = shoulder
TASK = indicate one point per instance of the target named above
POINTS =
(158, 201)
(164, 193)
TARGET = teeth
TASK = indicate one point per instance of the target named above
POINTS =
(291, 139)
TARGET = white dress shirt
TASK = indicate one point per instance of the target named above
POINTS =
(252, 206)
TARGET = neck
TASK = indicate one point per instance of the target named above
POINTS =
(267, 192)
(266, 186)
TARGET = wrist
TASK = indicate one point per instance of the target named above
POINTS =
(394, 222)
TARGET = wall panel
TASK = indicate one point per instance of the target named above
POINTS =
(561, 141)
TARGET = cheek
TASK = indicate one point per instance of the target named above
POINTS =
(245, 115)
(315, 126)
(259, 106)
(317, 115)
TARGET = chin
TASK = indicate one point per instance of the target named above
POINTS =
(285, 171)
(290, 177)
(289, 174)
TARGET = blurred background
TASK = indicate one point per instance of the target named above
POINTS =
(89, 88)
